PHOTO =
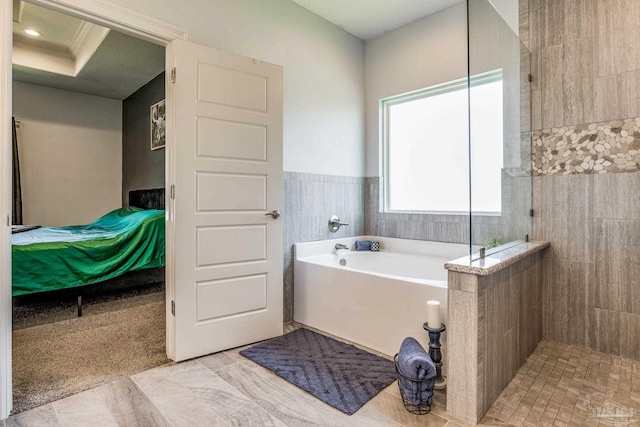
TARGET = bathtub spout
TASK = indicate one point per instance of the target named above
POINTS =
(341, 246)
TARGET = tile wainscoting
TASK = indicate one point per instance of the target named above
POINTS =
(309, 201)
(496, 322)
(513, 223)
(438, 228)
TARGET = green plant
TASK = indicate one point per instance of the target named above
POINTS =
(493, 242)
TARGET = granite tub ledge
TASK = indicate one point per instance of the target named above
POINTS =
(495, 262)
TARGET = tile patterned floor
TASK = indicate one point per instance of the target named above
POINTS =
(226, 389)
(562, 385)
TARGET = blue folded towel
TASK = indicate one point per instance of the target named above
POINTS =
(414, 363)
(363, 245)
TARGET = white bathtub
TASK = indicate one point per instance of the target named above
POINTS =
(378, 298)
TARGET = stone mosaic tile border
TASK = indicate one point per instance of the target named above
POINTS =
(606, 147)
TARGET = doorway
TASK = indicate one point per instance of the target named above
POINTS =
(111, 17)
(224, 236)
(92, 185)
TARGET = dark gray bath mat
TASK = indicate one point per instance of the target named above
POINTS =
(339, 374)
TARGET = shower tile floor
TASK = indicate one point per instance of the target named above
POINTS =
(563, 385)
(226, 389)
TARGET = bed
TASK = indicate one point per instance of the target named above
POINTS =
(129, 239)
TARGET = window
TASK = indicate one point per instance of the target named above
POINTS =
(426, 147)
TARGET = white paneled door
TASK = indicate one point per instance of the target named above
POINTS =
(226, 245)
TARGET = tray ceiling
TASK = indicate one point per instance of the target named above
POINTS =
(76, 55)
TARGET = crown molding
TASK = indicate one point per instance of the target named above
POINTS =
(116, 17)
(28, 42)
(86, 41)
(38, 58)
(18, 7)
(81, 37)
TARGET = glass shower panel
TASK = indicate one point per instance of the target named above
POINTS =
(499, 131)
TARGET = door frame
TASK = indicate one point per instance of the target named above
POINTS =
(116, 17)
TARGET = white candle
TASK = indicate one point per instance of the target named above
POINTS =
(433, 314)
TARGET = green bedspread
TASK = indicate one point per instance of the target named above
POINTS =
(51, 258)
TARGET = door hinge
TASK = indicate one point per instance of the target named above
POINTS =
(173, 307)
(173, 191)
(173, 75)
(529, 77)
(531, 212)
(8, 221)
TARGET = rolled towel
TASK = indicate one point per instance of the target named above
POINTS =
(415, 364)
(363, 245)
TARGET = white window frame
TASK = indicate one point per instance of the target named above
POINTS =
(386, 103)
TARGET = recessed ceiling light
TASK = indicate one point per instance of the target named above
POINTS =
(33, 33)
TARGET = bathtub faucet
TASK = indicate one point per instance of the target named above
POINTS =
(341, 246)
(335, 223)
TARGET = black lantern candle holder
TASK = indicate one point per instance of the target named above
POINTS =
(436, 354)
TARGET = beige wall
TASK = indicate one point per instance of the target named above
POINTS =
(427, 52)
(70, 154)
(508, 10)
(585, 66)
(323, 71)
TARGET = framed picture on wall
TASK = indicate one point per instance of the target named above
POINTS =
(158, 125)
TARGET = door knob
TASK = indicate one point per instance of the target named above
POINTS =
(274, 214)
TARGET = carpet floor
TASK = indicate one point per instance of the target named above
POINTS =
(114, 338)
(41, 309)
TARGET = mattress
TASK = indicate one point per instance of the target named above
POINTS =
(52, 258)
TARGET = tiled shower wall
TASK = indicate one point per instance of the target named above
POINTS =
(440, 228)
(586, 192)
(513, 223)
(309, 201)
